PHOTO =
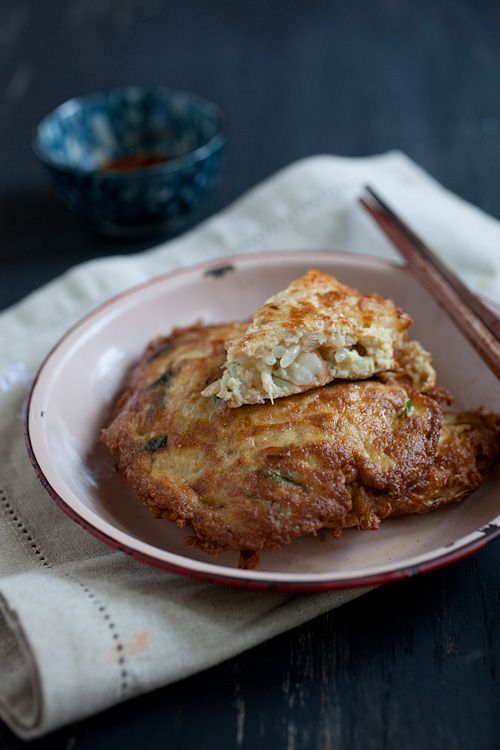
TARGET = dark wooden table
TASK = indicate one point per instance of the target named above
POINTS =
(411, 665)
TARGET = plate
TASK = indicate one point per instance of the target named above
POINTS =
(75, 387)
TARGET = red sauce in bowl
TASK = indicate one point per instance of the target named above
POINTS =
(133, 161)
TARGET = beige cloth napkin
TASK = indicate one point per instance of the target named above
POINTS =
(83, 627)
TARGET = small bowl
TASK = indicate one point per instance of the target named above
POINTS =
(132, 160)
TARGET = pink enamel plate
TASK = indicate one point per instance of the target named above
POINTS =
(78, 381)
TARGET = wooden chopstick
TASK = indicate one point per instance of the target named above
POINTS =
(478, 323)
(487, 316)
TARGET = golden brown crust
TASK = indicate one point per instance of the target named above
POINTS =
(313, 332)
(257, 477)
(468, 444)
(318, 300)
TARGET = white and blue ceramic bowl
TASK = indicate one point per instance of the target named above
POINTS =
(85, 143)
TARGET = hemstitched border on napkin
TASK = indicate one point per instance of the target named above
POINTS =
(24, 534)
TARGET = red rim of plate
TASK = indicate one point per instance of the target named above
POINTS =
(488, 532)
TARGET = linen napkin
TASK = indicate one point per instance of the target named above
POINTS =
(83, 627)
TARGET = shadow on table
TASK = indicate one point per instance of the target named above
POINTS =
(40, 238)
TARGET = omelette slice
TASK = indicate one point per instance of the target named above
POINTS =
(315, 331)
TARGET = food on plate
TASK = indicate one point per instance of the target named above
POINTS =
(315, 331)
(349, 453)
(468, 444)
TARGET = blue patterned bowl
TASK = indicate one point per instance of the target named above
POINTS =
(132, 160)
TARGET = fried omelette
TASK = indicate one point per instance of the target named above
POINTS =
(254, 478)
(313, 332)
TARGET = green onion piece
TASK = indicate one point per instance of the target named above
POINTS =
(156, 443)
(281, 478)
(409, 408)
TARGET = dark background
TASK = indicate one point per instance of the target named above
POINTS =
(411, 665)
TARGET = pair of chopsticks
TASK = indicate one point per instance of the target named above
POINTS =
(477, 322)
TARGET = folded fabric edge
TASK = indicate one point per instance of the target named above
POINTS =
(20, 689)
(21, 697)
